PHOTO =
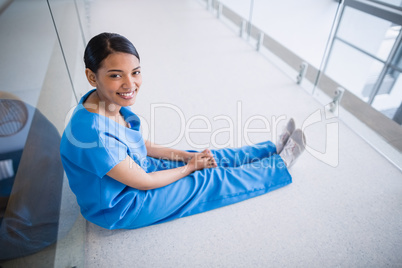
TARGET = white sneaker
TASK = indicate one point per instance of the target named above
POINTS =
(284, 136)
(293, 148)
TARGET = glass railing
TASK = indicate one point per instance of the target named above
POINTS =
(285, 30)
(40, 222)
(345, 53)
(363, 59)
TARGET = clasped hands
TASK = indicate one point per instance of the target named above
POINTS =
(204, 159)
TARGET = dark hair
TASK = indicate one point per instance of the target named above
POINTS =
(104, 44)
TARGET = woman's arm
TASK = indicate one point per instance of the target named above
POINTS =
(131, 174)
(158, 151)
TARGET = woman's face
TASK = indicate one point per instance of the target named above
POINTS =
(117, 80)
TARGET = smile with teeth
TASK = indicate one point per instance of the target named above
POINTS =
(127, 94)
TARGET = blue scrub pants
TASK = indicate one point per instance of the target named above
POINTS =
(242, 173)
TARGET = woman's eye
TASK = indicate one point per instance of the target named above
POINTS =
(115, 76)
(136, 72)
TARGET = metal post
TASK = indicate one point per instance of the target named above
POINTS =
(219, 11)
(380, 79)
(242, 27)
(209, 4)
(330, 42)
(250, 19)
(260, 41)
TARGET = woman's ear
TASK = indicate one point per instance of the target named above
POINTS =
(91, 77)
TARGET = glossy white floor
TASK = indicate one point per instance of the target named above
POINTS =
(193, 65)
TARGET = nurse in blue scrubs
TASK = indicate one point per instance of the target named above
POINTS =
(123, 181)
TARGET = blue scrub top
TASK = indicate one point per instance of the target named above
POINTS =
(91, 146)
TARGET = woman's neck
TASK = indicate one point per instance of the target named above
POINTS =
(95, 104)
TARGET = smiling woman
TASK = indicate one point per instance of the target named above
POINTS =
(113, 67)
(124, 181)
(117, 82)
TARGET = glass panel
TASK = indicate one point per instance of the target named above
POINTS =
(353, 70)
(368, 33)
(301, 26)
(70, 29)
(389, 97)
(360, 53)
(82, 8)
(38, 213)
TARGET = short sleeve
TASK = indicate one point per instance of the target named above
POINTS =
(92, 148)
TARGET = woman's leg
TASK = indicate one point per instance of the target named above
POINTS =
(226, 157)
(234, 157)
(209, 189)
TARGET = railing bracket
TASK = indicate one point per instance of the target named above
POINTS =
(219, 11)
(334, 105)
(302, 72)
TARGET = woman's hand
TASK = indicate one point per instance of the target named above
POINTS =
(202, 160)
(131, 174)
(191, 155)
